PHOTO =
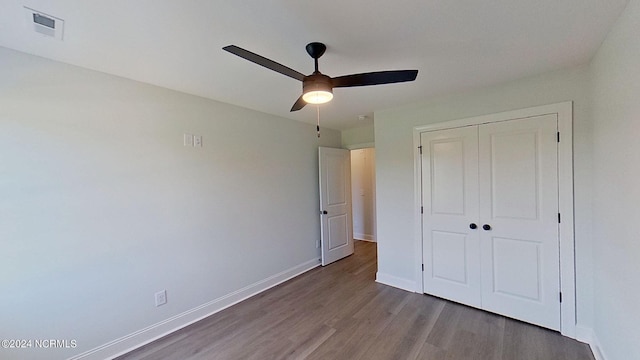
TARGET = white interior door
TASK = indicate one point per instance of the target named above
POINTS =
(519, 201)
(502, 180)
(335, 204)
(451, 249)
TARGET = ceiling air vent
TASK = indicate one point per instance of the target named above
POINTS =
(44, 24)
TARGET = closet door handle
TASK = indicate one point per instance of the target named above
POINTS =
(486, 227)
(473, 226)
(324, 212)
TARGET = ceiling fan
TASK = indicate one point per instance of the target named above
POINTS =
(317, 88)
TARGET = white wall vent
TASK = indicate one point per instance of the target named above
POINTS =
(44, 23)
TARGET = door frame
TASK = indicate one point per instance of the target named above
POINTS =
(564, 112)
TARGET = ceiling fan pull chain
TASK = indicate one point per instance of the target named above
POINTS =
(318, 124)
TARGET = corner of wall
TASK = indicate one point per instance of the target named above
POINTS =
(588, 336)
(397, 282)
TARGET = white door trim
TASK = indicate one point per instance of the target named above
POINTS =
(564, 112)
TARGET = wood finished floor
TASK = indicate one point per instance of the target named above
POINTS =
(340, 312)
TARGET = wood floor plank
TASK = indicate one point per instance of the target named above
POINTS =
(400, 337)
(340, 312)
(444, 330)
(429, 309)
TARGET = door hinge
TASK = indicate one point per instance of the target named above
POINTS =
(558, 136)
(560, 296)
(420, 148)
(422, 267)
(421, 209)
(558, 218)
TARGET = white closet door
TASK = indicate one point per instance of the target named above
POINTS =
(519, 202)
(451, 249)
(502, 177)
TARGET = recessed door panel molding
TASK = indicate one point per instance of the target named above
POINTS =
(490, 193)
(514, 160)
(509, 254)
(336, 190)
(338, 235)
(450, 264)
(447, 176)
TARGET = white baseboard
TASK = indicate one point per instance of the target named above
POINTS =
(364, 237)
(144, 336)
(587, 335)
(394, 281)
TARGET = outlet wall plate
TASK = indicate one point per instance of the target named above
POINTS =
(161, 297)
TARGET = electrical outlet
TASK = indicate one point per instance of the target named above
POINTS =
(197, 141)
(161, 297)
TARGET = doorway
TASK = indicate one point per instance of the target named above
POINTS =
(363, 185)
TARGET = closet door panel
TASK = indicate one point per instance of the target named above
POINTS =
(518, 182)
(451, 251)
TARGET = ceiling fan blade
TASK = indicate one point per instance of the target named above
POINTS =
(375, 78)
(299, 104)
(263, 61)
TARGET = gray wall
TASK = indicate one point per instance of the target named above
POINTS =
(101, 205)
(357, 138)
(616, 172)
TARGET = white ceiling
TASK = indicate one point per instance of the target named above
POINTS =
(455, 45)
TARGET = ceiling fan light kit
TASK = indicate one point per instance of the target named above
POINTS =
(317, 97)
(317, 88)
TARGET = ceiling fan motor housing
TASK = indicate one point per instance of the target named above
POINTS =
(317, 89)
(317, 82)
